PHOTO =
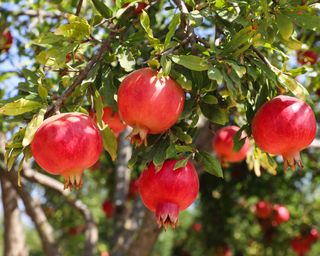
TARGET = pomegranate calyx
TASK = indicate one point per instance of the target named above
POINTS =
(292, 161)
(138, 136)
(72, 180)
(167, 215)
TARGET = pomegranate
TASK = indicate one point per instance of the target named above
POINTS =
(197, 227)
(66, 144)
(305, 57)
(222, 144)
(313, 235)
(284, 126)
(263, 209)
(227, 251)
(112, 120)
(139, 7)
(167, 191)
(300, 245)
(75, 230)
(148, 103)
(133, 188)
(281, 214)
(105, 253)
(107, 208)
(6, 41)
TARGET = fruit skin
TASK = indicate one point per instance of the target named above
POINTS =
(300, 245)
(133, 188)
(107, 208)
(112, 119)
(167, 192)
(305, 57)
(197, 227)
(149, 104)
(6, 41)
(263, 209)
(313, 235)
(284, 126)
(66, 144)
(281, 214)
(222, 145)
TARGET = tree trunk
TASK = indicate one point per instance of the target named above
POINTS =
(14, 240)
(146, 236)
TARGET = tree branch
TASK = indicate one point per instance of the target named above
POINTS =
(14, 240)
(34, 210)
(82, 75)
(79, 7)
(91, 230)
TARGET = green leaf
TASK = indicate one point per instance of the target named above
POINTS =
(19, 107)
(210, 163)
(77, 29)
(166, 65)
(171, 152)
(178, 132)
(33, 126)
(214, 113)
(126, 60)
(181, 163)
(191, 62)
(183, 148)
(109, 142)
(160, 153)
(145, 23)
(172, 28)
(215, 74)
(98, 106)
(183, 81)
(240, 70)
(210, 99)
(294, 86)
(237, 142)
(306, 21)
(102, 8)
(49, 38)
(285, 26)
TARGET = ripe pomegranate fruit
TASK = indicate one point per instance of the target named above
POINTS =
(263, 209)
(305, 57)
(112, 120)
(197, 227)
(222, 145)
(6, 41)
(107, 208)
(133, 188)
(281, 214)
(167, 191)
(227, 251)
(139, 7)
(66, 144)
(313, 235)
(300, 245)
(148, 103)
(284, 126)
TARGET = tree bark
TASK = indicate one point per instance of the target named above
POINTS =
(14, 239)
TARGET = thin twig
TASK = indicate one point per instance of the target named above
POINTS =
(79, 7)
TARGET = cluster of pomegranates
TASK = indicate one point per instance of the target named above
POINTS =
(6, 41)
(282, 126)
(276, 214)
(301, 244)
(151, 104)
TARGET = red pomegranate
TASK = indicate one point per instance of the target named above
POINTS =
(149, 103)
(66, 144)
(284, 126)
(313, 235)
(197, 227)
(112, 119)
(227, 251)
(167, 191)
(139, 7)
(133, 188)
(6, 41)
(305, 57)
(107, 208)
(75, 230)
(281, 214)
(76, 57)
(222, 145)
(300, 245)
(263, 209)
(105, 253)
